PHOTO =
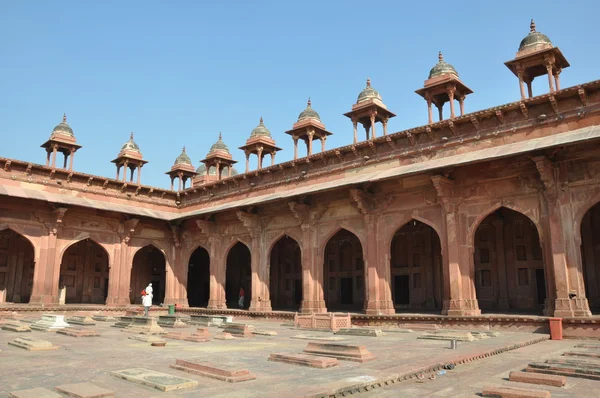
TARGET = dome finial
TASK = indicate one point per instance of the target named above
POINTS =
(308, 103)
(440, 57)
(532, 26)
(368, 82)
(220, 136)
(183, 149)
(131, 136)
(261, 120)
(64, 117)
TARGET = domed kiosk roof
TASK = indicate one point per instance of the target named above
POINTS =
(261, 130)
(442, 68)
(309, 113)
(368, 93)
(183, 158)
(534, 39)
(63, 128)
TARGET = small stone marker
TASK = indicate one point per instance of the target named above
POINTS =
(78, 332)
(210, 320)
(171, 321)
(510, 392)
(104, 318)
(448, 335)
(160, 381)
(81, 320)
(312, 361)
(537, 378)
(146, 338)
(194, 337)
(264, 333)
(144, 325)
(34, 393)
(84, 390)
(31, 344)
(224, 336)
(222, 372)
(16, 327)
(238, 330)
(360, 332)
(317, 337)
(356, 353)
(50, 323)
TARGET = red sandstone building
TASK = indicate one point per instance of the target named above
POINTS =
(494, 211)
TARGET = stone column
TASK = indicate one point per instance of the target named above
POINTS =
(71, 159)
(295, 147)
(549, 65)
(260, 157)
(355, 125)
(216, 298)
(119, 278)
(529, 89)
(139, 174)
(451, 90)
(557, 78)
(47, 157)
(273, 158)
(247, 163)
(323, 143)
(54, 150)
(374, 133)
(440, 108)
(520, 75)
(429, 111)
(378, 299)
(311, 134)
(461, 102)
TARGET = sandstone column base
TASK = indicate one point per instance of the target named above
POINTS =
(461, 308)
(43, 300)
(216, 305)
(260, 306)
(118, 301)
(379, 307)
(313, 306)
(179, 301)
(567, 308)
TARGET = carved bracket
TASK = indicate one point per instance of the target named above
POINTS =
(582, 96)
(176, 233)
(524, 110)
(129, 229)
(547, 172)
(554, 104)
(28, 169)
(250, 221)
(367, 203)
(429, 133)
(59, 215)
(7, 165)
(475, 122)
(500, 116)
(390, 142)
(445, 191)
(206, 227)
(411, 139)
(452, 128)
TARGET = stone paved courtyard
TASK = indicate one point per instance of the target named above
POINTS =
(91, 359)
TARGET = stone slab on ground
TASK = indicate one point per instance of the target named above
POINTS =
(564, 370)
(264, 333)
(421, 326)
(50, 323)
(312, 361)
(220, 371)
(537, 378)
(355, 353)
(104, 318)
(81, 320)
(224, 336)
(84, 390)
(171, 321)
(160, 381)
(16, 327)
(238, 330)
(510, 392)
(588, 354)
(78, 332)
(317, 337)
(448, 335)
(148, 338)
(143, 325)
(588, 345)
(209, 320)
(38, 392)
(31, 344)
(360, 332)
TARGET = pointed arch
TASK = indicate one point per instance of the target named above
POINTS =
(84, 271)
(83, 237)
(590, 255)
(17, 264)
(285, 273)
(149, 265)
(282, 234)
(335, 230)
(198, 279)
(238, 274)
(404, 222)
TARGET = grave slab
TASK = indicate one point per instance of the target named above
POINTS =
(510, 392)
(171, 321)
(564, 370)
(220, 371)
(16, 327)
(104, 318)
(31, 344)
(146, 338)
(537, 378)
(78, 332)
(312, 361)
(346, 352)
(588, 354)
(84, 390)
(160, 381)
(448, 335)
(360, 332)
(81, 320)
(317, 337)
(144, 325)
(588, 345)
(38, 392)
(238, 330)
(264, 333)
(224, 336)
(50, 323)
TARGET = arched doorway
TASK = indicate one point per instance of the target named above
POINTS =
(344, 273)
(416, 267)
(509, 267)
(590, 254)
(16, 266)
(149, 266)
(198, 282)
(285, 279)
(84, 273)
(238, 275)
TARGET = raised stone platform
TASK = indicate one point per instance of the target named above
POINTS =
(31, 344)
(104, 318)
(317, 337)
(171, 321)
(209, 320)
(81, 320)
(537, 378)
(238, 330)
(346, 352)
(148, 338)
(360, 332)
(565, 369)
(216, 371)
(50, 323)
(160, 381)
(78, 332)
(510, 392)
(312, 361)
(449, 335)
(16, 327)
(84, 390)
(38, 392)
(224, 336)
(264, 333)
(588, 354)
(144, 325)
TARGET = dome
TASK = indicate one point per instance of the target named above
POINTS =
(309, 113)
(183, 158)
(534, 39)
(130, 145)
(219, 145)
(201, 170)
(261, 130)
(368, 93)
(442, 68)
(63, 128)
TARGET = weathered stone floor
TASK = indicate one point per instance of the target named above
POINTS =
(91, 359)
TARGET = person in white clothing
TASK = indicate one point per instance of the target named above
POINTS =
(149, 289)
(147, 299)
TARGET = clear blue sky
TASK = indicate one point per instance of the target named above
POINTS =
(178, 73)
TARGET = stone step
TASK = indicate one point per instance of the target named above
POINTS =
(78, 332)
(340, 351)
(50, 323)
(317, 337)
(448, 335)
(582, 354)
(537, 378)
(312, 361)
(511, 392)
(360, 332)
(31, 344)
(38, 392)
(264, 333)
(564, 370)
(104, 318)
(81, 320)
(84, 390)
(588, 345)
(16, 327)
(161, 381)
(238, 330)
(222, 372)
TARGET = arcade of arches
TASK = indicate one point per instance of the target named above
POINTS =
(84, 273)
(16, 266)
(148, 267)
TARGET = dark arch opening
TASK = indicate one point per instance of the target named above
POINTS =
(16, 266)
(416, 268)
(84, 273)
(509, 264)
(285, 278)
(344, 268)
(149, 266)
(590, 254)
(198, 283)
(238, 276)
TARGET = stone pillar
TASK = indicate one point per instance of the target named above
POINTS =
(119, 278)
(47, 157)
(260, 157)
(323, 143)
(355, 125)
(71, 159)
(373, 133)
(378, 298)
(295, 147)
(529, 89)
(440, 108)
(566, 297)
(273, 158)
(520, 75)
(429, 112)
(218, 258)
(54, 150)
(461, 102)
(459, 287)
(247, 163)
(139, 174)
(557, 78)
(311, 134)
(451, 90)
(550, 77)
